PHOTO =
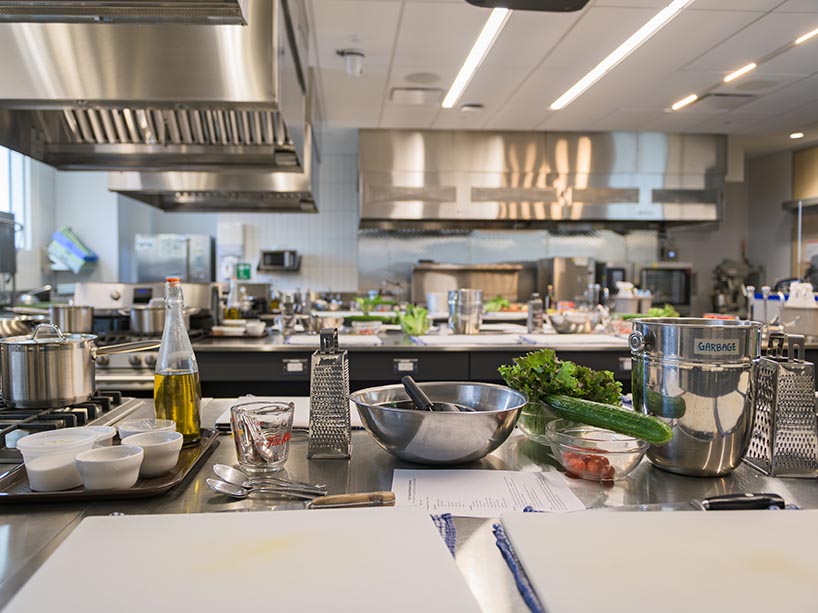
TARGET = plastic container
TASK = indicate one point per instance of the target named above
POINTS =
(105, 435)
(593, 453)
(137, 426)
(161, 451)
(110, 468)
(49, 457)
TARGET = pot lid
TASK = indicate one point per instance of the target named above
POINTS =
(48, 334)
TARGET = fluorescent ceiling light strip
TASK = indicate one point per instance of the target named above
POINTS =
(806, 37)
(489, 33)
(740, 72)
(684, 102)
(660, 20)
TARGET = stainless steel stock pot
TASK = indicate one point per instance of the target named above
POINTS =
(696, 375)
(49, 369)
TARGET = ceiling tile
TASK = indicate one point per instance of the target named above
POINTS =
(353, 102)
(798, 6)
(753, 42)
(401, 116)
(790, 97)
(369, 25)
(599, 31)
(654, 4)
(445, 76)
(681, 122)
(800, 59)
(527, 37)
(427, 36)
(627, 119)
(516, 117)
(744, 5)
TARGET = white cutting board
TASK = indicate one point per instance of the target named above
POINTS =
(720, 561)
(330, 560)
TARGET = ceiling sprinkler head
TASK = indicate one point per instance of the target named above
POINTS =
(353, 61)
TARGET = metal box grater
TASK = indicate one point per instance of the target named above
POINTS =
(785, 428)
(330, 431)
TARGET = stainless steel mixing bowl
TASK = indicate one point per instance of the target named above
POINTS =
(574, 322)
(440, 438)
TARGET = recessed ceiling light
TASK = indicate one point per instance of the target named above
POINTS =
(806, 37)
(684, 102)
(796, 135)
(489, 33)
(660, 20)
(740, 72)
(471, 108)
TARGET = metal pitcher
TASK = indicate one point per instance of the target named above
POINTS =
(696, 375)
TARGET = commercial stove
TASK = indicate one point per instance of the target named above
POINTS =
(103, 409)
(130, 372)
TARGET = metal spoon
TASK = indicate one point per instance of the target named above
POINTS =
(236, 477)
(424, 403)
(234, 491)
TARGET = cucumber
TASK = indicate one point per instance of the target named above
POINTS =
(607, 416)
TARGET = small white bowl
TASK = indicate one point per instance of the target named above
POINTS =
(137, 426)
(110, 468)
(52, 473)
(161, 451)
(255, 327)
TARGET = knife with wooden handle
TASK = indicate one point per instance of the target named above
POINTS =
(724, 502)
(343, 501)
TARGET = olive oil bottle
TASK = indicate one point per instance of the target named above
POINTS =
(177, 392)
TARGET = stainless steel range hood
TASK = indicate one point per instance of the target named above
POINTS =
(191, 117)
(119, 11)
(156, 97)
(618, 180)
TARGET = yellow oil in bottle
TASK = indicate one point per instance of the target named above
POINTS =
(178, 396)
(232, 313)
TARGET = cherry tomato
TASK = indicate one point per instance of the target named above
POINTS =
(567, 456)
(576, 466)
(594, 466)
(608, 472)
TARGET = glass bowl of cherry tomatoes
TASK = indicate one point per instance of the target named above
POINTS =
(593, 453)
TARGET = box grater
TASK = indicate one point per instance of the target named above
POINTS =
(785, 429)
(330, 432)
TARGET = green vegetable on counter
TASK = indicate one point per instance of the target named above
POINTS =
(368, 305)
(580, 394)
(542, 373)
(498, 303)
(624, 421)
(666, 311)
(415, 320)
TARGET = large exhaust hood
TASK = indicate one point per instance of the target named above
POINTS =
(619, 180)
(119, 11)
(166, 98)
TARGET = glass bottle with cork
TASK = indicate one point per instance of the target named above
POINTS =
(233, 308)
(177, 392)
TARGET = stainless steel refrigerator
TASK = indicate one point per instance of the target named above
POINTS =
(188, 256)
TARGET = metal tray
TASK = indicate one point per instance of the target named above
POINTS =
(14, 486)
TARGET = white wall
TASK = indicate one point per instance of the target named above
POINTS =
(30, 262)
(327, 241)
(82, 202)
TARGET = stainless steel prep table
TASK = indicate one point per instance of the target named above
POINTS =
(234, 366)
(30, 533)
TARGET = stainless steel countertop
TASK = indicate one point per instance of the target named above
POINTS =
(394, 342)
(31, 532)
